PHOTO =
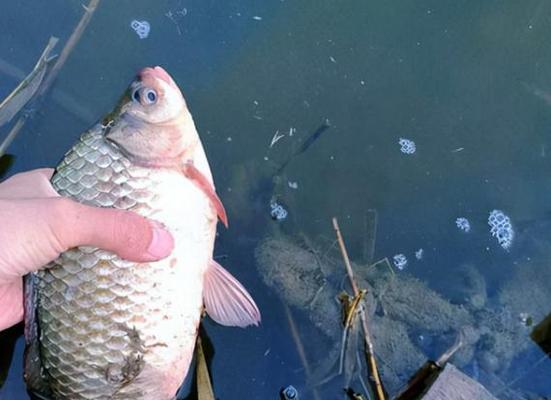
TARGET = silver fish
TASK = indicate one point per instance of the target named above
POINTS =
(100, 327)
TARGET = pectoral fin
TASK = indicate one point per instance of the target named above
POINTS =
(201, 181)
(226, 300)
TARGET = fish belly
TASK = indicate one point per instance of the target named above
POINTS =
(111, 328)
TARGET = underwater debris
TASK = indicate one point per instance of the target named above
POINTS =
(292, 185)
(400, 261)
(398, 307)
(278, 212)
(501, 228)
(463, 224)
(525, 319)
(407, 146)
(141, 28)
(289, 393)
(419, 254)
(276, 138)
(352, 395)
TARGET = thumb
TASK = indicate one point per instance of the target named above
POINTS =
(128, 234)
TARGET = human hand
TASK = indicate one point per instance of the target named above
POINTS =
(36, 225)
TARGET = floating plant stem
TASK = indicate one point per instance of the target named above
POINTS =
(25, 91)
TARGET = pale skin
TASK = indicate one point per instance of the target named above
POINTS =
(37, 225)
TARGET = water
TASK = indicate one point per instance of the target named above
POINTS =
(468, 82)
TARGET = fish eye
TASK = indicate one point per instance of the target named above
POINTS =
(150, 96)
(136, 95)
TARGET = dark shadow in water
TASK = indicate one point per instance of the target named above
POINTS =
(6, 162)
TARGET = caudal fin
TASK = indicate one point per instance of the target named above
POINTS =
(226, 300)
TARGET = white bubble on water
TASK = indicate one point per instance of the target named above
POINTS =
(278, 212)
(463, 224)
(141, 28)
(400, 261)
(407, 146)
(501, 228)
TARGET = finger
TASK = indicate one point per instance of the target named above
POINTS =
(128, 234)
(28, 184)
(11, 299)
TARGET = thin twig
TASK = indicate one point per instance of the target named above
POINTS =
(71, 43)
(367, 337)
(370, 235)
(28, 87)
(300, 348)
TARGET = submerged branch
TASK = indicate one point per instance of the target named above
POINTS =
(380, 395)
(300, 348)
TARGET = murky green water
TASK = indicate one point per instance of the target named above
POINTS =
(469, 82)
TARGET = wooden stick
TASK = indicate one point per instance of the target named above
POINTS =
(204, 385)
(71, 42)
(367, 337)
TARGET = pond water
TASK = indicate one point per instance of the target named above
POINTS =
(304, 104)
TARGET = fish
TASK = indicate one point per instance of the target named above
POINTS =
(101, 327)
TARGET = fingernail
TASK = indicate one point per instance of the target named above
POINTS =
(162, 242)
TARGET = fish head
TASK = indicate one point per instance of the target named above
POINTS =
(154, 97)
(152, 124)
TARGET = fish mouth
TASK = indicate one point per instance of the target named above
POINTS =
(156, 72)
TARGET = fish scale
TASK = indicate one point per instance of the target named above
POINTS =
(111, 328)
